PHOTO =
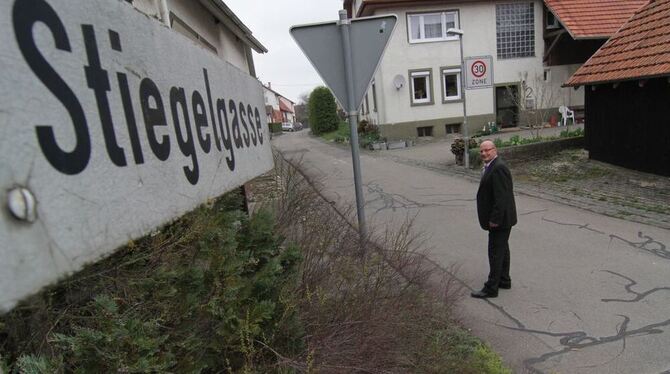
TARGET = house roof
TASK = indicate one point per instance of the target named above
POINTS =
(584, 19)
(640, 49)
(593, 19)
(284, 108)
(368, 7)
(277, 94)
(228, 18)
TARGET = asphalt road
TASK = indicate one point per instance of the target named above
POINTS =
(590, 294)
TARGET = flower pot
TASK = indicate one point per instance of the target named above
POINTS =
(396, 144)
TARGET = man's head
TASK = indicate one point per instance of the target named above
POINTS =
(487, 151)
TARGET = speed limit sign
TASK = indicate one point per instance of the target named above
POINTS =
(479, 72)
(478, 69)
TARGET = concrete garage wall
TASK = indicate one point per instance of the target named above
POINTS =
(114, 125)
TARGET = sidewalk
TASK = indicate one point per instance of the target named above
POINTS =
(568, 177)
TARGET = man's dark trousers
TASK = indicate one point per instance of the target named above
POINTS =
(498, 259)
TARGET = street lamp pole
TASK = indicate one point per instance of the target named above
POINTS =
(466, 140)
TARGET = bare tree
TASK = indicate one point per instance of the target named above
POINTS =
(303, 98)
(536, 101)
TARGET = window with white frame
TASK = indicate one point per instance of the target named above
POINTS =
(515, 30)
(430, 27)
(451, 84)
(421, 87)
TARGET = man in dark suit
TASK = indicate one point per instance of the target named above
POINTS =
(497, 214)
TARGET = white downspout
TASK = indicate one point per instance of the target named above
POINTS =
(164, 12)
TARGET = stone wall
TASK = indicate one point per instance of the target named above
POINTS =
(526, 152)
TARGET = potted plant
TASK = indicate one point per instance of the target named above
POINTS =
(458, 148)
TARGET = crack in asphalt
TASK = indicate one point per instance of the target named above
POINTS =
(649, 245)
(579, 226)
(395, 201)
(638, 295)
(660, 249)
(576, 340)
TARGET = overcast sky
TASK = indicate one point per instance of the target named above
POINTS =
(284, 65)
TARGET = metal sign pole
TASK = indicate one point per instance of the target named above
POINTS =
(344, 25)
(466, 155)
(346, 53)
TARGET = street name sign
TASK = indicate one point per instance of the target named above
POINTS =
(111, 125)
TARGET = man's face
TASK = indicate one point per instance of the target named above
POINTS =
(487, 151)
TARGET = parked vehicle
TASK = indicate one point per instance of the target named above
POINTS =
(298, 126)
(287, 126)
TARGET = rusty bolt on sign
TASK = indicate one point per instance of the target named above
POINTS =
(22, 204)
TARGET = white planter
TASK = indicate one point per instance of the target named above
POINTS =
(396, 144)
(377, 146)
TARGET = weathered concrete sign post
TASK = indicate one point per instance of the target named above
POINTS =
(111, 125)
(346, 53)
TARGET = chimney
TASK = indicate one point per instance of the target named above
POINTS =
(270, 85)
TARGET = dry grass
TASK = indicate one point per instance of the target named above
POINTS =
(375, 305)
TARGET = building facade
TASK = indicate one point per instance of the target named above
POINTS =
(272, 110)
(210, 24)
(277, 107)
(417, 90)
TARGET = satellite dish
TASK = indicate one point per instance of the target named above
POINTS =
(398, 81)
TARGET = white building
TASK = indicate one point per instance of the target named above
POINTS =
(209, 23)
(272, 110)
(522, 44)
(277, 107)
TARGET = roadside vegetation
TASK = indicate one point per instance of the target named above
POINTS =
(517, 140)
(200, 295)
(289, 289)
(339, 135)
(322, 111)
(563, 166)
(572, 172)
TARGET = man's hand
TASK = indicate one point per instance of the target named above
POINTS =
(493, 225)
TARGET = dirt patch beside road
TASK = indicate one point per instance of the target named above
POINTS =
(570, 176)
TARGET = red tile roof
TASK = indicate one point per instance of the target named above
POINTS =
(584, 19)
(284, 108)
(593, 19)
(640, 49)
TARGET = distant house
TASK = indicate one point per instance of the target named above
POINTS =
(277, 107)
(526, 46)
(627, 85)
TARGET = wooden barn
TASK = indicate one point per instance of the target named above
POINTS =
(627, 96)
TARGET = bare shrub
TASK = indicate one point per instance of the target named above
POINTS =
(367, 305)
(536, 100)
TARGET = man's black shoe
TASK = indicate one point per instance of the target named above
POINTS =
(484, 294)
(505, 286)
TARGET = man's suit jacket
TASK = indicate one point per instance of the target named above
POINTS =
(495, 197)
